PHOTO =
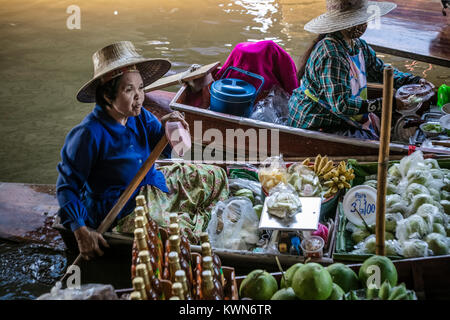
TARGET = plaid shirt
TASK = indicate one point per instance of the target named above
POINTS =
(327, 76)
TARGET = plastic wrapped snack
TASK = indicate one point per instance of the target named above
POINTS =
(411, 97)
(305, 182)
(283, 202)
(272, 172)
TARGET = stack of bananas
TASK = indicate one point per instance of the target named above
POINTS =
(333, 178)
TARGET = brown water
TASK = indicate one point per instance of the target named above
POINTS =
(43, 63)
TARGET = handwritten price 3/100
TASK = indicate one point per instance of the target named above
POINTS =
(363, 207)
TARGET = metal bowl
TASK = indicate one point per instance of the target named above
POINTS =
(430, 134)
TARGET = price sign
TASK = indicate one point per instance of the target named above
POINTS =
(360, 203)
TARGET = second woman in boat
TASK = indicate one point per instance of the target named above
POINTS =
(334, 72)
(104, 152)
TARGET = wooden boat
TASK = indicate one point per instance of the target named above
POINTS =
(272, 138)
(428, 277)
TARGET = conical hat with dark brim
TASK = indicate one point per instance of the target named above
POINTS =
(116, 56)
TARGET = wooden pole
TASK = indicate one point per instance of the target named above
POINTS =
(383, 158)
(109, 219)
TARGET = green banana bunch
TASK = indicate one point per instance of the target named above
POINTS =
(398, 292)
(351, 295)
(372, 293)
(386, 292)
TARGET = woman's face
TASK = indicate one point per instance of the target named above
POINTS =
(130, 95)
(356, 32)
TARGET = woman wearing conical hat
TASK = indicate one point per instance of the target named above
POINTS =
(104, 152)
(334, 71)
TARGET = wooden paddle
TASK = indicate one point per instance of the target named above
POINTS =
(383, 158)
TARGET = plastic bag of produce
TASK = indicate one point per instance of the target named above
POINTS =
(438, 243)
(391, 221)
(445, 205)
(272, 172)
(393, 248)
(394, 172)
(432, 164)
(234, 224)
(413, 227)
(415, 248)
(91, 291)
(419, 200)
(304, 180)
(415, 189)
(411, 163)
(431, 214)
(368, 246)
(255, 187)
(273, 108)
(359, 235)
(395, 204)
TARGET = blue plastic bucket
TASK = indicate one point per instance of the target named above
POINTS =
(234, 96)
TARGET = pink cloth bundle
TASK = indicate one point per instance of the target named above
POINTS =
(322, 232)
(265, 58)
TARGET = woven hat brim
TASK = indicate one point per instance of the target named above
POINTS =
(332, 22)
(150, 70)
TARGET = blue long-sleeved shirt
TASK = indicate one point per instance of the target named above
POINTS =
(100, 157)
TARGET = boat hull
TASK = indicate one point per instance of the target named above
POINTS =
(253, 139)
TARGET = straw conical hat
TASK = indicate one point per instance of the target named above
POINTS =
(118, 55)
(343, 14)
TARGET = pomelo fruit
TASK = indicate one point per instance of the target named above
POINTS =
(386, 268)
(284, 294)
(258, 285)
(289, 274)
(336, 293)
(343, 276)
(312, 282)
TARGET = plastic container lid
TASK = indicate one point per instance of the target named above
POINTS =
(233, 90)
(363, 199)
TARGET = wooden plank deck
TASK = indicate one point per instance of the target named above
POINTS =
(416, 29)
